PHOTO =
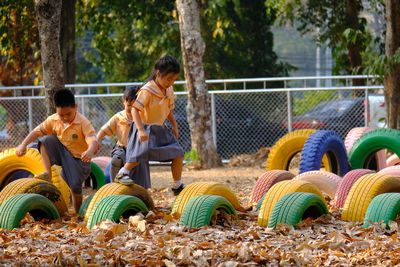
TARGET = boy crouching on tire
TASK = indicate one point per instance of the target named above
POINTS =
(67, 139)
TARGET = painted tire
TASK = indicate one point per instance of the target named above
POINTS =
(364, 148)
(326, 182)
(295, 207)
(287, 147)
(85, 205)
(379, 161)
(14, 209)
(107, 173)
(392, 171)
(324, 142)
(35, 186)
(96, 178)
(113, 207)
(392, 160)
(347, 182)
(280, 189)
(362, 193)
(31, 162)
(204, 188)
(200, 209)
(265, 182)
(384, 207)
(102, 162)
(116, 189)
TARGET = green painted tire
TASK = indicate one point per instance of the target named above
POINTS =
(113, 207)
(363, 151)
(96, 177)
(383, 207)
(294, 207)
(14, 209)
(199, 210)
(85, 204)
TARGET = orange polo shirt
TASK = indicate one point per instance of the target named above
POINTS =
(153, 105)
(120, 125)
(75, 136)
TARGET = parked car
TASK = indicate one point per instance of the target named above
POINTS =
(340, 115)
(239, 129)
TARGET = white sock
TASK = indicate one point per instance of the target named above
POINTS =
(123, 171)
(177, 184)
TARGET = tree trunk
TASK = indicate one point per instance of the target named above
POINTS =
(198, 109)
(354, 54)
(49, 15)
(392, 77)
(67, 40)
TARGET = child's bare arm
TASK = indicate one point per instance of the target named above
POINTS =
(100, 135)
(89, 153)
(172, 120)
(139, 125)
(21, 149)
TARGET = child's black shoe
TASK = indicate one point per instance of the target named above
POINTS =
(176, 191)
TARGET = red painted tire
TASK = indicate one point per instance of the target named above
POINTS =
(347, 182)
(356, 133)
(326, 182)
(392, 171)
(266, 181)
(102, 162)
(392, 160)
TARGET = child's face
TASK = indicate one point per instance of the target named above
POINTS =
(67, 114)
(128, 107)
(166, 80)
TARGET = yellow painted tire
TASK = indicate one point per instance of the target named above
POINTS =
(116, 189)
(35, 186)
(287, 147)
(32, 162)
(278, 191)
(363, 191)
(204, 188)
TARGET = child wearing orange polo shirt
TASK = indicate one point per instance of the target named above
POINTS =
(69, 140)
(120, 124)
(149, 138)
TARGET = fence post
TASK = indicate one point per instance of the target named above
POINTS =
(367, 112)
(289, 106)
(213, 121)
(30, 114)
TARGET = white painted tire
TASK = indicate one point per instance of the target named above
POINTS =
(326, 182)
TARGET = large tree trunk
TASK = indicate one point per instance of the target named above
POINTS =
(198, 109)
(392, 78)
(67, 40)
(49, 14)
(354, 55)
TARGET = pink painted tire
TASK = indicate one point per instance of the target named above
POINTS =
(356, 133)
(347, 182)
(102, 162)
(392, 160)
(326, 182)
(392, 171)
(266, 181)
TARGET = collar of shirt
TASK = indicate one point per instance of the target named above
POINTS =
(77, 119)
(124, 118)
(152, 87)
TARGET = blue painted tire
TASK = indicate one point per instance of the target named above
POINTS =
(324, 142)
(107, 173)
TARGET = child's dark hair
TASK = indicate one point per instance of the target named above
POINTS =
(130, 93)
(64, 98)
(165, 65)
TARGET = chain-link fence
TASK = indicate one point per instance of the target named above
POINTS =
(244, 120)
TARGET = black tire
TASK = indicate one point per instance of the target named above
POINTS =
(113, 207)
(199, 210)
(14, 209)
(294, 207)
(383, 207)
(324, 142)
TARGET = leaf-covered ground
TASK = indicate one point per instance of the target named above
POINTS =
(156, 239)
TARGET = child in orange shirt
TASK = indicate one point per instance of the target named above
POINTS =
(69, 140)
(120, 124)
(149, 138)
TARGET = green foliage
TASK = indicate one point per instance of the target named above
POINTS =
(191, 156)
(311, 99)
(379, 64)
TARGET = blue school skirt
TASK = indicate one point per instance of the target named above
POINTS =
(161, 146)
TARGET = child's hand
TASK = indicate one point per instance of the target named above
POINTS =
(21, 150)
(143, 136)
(175, 132)
(87, 156)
